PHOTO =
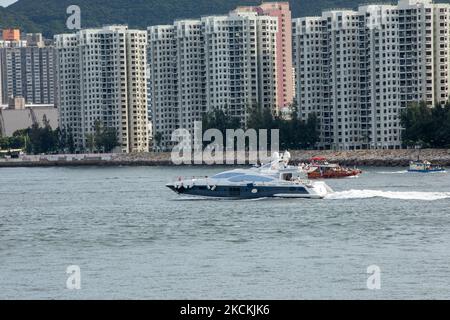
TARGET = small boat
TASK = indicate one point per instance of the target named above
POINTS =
(276, 179)
(424, 167)
(319, 168)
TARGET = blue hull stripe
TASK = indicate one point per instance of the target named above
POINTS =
(243, 192)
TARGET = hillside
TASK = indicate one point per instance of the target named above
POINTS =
(9, 19)
(49, 16)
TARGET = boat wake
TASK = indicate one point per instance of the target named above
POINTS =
(406, 171)
(366, 194)
(393, 172)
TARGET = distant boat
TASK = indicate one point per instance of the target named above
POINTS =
(319, 168)
(424, 167)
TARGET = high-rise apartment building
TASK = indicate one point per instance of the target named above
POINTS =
(281, 11)
(28, 70)
(102, 77)
(356, 70)
(218, 62)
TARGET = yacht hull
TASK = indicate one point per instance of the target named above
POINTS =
(247, 192)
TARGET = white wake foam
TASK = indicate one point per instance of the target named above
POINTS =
(406, 171)
(393, 172)
(365, 194)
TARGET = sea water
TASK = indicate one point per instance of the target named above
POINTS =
(133, 238)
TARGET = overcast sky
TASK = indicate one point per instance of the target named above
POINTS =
(4, 3)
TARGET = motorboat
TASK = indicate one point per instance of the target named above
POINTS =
(424, 167)
(276, 179)
(320, 168)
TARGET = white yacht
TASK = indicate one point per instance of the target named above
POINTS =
(276, 179)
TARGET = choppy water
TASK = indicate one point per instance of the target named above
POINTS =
(134, 239)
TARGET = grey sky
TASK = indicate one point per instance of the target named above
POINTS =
(4, 3)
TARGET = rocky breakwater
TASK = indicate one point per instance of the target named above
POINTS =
(390, 158)
(349, 158)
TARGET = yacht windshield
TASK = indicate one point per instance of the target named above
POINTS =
(251, 178)
(227, 175)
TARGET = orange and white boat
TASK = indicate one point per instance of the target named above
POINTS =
(319, 168)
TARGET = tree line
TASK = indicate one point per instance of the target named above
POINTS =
(426, 127)
(294, 133)
(44, 140)
(104, 139)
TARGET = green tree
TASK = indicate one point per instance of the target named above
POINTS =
(158, 139)
(35, 139)
(425, 126)
(294, 133)
(90, 142)
(49, 139)
(98, 136)
(104, 139)
(70, 141)
(312, 132)
(109, 139)
(219, 119)
(441, 126)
